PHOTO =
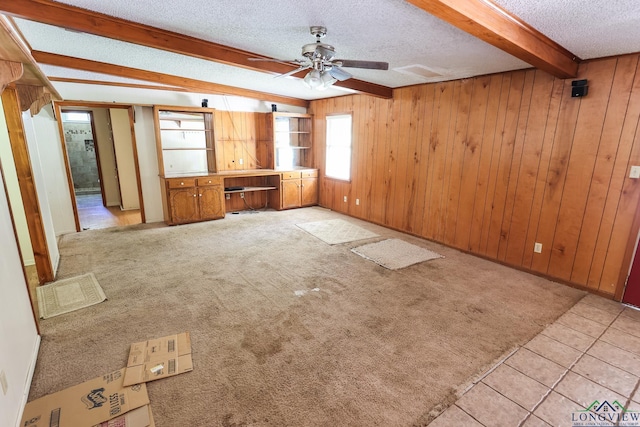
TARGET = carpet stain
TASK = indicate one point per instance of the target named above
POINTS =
(262, 343)
(266, 341)
(293, 325)
(226, 422)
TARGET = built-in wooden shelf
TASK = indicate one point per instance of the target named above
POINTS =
(248, 189)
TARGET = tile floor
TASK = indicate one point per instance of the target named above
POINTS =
(591, 353)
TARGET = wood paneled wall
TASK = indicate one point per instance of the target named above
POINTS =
(236, 138)
(493, 164)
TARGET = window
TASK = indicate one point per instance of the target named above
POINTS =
(339, 147)
(75, 117)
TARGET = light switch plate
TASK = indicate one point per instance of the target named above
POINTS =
(537, 248)
(635, 172)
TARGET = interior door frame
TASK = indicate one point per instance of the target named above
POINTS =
(629, 256)
(59, 106)
(26, 182)
(95, 147)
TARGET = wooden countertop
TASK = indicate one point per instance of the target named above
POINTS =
(233, 174)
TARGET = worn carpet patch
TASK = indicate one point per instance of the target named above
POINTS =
(395, 254)
(334, 231)
(64, 296)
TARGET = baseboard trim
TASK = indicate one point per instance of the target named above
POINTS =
(27, 385)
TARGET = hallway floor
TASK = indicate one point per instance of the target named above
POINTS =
(93, 215)
(579, 371)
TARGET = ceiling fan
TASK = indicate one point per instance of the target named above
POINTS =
(325, 69)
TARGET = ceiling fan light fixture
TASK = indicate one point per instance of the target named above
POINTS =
(318, 80)
(313, 79)
(327, 80)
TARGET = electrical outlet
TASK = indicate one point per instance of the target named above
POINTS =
(228, 196)
(345, 199)
(635, 172)
(240, 161)
(537, 248)
(357, 202)
(242, 195)
(3, 382)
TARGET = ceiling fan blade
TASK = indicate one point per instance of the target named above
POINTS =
(339, 74)
(280, 61)
(302, 67)
(371, 65)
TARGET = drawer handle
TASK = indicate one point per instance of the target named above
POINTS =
(200, 194)
(194, 195)
(209, 182)
(181, 183)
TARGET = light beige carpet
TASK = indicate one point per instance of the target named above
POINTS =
(67, 295)
(395, 254)
(363, 346)
(335, 231)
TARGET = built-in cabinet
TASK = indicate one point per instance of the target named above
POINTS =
(193, 199)
(299, 188)
(196, 188)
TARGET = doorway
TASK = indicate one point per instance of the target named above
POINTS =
(632, 290)
(102, 166)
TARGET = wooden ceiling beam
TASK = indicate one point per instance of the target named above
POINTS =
(160, 78)
(489, 22)
(118, 84)
(74, 18)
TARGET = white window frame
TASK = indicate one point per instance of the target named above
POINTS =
(339, 146)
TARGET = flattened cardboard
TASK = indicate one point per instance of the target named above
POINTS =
(159, 358)
(140, 417)
(86, 404)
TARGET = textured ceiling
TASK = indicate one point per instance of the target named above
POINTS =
(380, 30)
(589, 29)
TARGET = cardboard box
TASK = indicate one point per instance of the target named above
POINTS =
(159, 358)
(86, 404)
(140, 417)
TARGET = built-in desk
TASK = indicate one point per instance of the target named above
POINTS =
(206, 196)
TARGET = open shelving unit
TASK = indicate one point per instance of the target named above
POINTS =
(292, 140)
(185, 140)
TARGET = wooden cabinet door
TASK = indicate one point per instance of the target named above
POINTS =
(184, 205)
(309, 190)
(211, 201)
(290, 194)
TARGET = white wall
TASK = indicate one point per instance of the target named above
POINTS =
(13, 191)
(47, 140)
(126, 95)
(107, 155)
(122, 142)
(148, 160)
(18, 337)
(42, 185)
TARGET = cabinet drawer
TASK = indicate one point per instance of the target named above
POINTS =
(311, 173)
(181, 182)
(291, 175)
(208, 181)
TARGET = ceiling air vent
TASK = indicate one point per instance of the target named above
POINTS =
(418, 70)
